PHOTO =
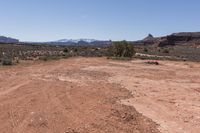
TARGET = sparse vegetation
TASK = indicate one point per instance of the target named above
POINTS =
(145, 50)
(115, 51)
(49, 52)
(47, 58)
(121, 49)
(75, 50)
(152, 63)
(7, 61)
(166, 51)
(66, 50)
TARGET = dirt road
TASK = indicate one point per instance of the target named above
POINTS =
(96, 95)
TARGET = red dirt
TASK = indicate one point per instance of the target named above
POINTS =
(167, 93)
(96, 95)
(62, 97)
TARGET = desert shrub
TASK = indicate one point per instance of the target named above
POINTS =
(166, 51)
(66, 50)
(152, 63)
(145, 50)
(7, 61)
(121, 49)
(75, 50)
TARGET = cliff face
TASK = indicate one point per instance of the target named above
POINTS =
(190, 38)
(182, 38)
(4, 39)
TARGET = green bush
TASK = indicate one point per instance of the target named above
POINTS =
(66, 50)
(7, 61)
(121, 49)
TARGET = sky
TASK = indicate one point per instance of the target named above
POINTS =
(49, 20)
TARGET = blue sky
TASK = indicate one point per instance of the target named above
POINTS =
(46, 20)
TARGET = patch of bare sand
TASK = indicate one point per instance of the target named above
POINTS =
(169, 93)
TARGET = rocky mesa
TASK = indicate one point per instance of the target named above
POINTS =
(181, 38)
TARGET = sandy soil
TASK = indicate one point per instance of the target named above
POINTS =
(96, 95)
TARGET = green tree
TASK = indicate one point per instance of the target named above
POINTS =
(121, 49)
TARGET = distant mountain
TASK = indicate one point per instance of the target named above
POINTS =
(149, 40)
(80, 42)
(4, 39)
(76, 40)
